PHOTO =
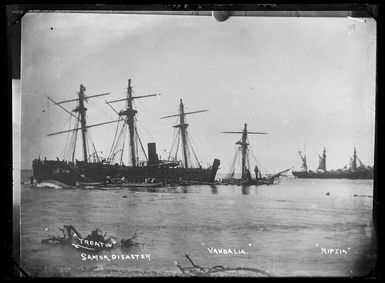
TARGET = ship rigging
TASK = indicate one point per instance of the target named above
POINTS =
(182, 137)
(128, 116)
(93, 168)
(80, 118)
(244, 151)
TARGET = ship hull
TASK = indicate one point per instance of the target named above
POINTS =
(364, 174)
(69, 173)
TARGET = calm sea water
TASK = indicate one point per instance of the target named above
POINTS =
(282, 228)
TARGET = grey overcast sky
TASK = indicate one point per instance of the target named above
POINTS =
(301, 80)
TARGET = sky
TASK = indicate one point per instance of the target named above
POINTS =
(307, 82)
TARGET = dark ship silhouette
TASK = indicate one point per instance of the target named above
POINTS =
(353, 172)
(94, 168)
(243, 151)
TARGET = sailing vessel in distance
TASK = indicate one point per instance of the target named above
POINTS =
(353, 172)
(94, 168)
(243, 152)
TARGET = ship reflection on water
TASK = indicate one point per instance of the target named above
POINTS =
(245, 190)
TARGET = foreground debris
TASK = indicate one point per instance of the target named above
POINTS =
(197, 270)
(94, 241)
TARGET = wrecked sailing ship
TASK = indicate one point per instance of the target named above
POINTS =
(93, 168)
(244, 151)
(354, 171)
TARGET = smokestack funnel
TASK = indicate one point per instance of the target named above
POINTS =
(152, 156)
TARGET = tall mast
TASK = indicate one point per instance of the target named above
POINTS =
(183, 129)
(183, 126)
(324, 158)
(304, 155)
(130, 113)
(82, 111)
(243, 143)
(354, 159)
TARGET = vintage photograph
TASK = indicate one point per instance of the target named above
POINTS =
(156, 145)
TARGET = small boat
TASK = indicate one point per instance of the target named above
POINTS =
(105, 188)
(123, 185)
(189, 183)
(88, 184)
(144, 185)
(114, 185)
(126, 185)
